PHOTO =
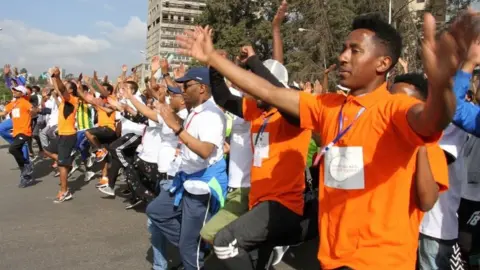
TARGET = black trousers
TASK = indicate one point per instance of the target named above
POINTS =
(16, 148)
(121, 154)
(267, 225)
(143, 178)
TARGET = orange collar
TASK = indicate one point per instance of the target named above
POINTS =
(368, 100)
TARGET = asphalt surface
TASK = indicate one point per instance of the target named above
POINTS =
(88, 232)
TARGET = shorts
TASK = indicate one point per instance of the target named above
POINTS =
(104, 135)
(63, 146)
(236, 205)
(469, 226)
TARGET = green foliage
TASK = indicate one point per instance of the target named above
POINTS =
(238, 22)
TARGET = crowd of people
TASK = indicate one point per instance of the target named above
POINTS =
(233, 160)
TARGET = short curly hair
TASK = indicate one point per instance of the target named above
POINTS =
(416, 79)
(384, 32)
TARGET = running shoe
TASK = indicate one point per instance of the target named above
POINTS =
(101, 154)
(102, 183)
(63, 196)
(107, 190)
(89, 175)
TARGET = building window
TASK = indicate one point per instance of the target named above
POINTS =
(165, 17)
(187, 6)
(167, 4)
(158, 20)
(420, 1)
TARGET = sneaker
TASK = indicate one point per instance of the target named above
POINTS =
(278, 253)
(90, 161)
(100, 155)
(54, 165)
(73, 169)
(102, 183)
(134, 204)
(107, 190)
(89, 175)
(57, 173)
(63, 196)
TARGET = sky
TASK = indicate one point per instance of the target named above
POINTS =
(76, 35)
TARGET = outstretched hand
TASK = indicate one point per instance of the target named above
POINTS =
(197, 43)
(280, 16)
(441, 55)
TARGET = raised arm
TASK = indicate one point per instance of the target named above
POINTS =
(467, 115)
(198, 44)
(142, 108)
(222, 95)
(101, 88)
(276, 33)
(434, 116)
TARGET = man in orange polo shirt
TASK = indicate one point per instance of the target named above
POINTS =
(365, 219)
(22, 112)
(276, 198)
(61, 150)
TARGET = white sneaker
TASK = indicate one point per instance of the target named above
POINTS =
(89, 175)
(90, 160)
(107, 190)
(74, 168)
(278, 253)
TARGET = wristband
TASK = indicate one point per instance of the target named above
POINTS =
(179, 131)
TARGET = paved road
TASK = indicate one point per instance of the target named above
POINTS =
(89, 232)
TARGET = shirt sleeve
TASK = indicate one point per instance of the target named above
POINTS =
(467, 115)
(399, 106)
(250, 109)
(310, 111)
(215, 134)
(9, 107)
(438, 165)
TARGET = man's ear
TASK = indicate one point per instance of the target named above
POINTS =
(384, 64)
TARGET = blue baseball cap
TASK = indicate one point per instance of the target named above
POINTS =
(174, 90)
(200, 75)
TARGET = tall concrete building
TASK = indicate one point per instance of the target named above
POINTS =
(166, 19)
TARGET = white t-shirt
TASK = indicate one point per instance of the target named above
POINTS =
(150, 147)
(52, 119)
(240, 154)
(168, 144)
(471, 187)
(441, 221)
(205, 122)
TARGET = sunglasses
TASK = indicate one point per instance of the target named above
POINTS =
(186, 85)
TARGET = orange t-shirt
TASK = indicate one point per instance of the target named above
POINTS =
(371, 227)
(280, 176)
(20, 110)
(439, 168)
(105, 120)
(66, 126)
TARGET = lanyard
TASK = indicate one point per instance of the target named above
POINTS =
(191, 119)
(186, 128)
(341, 133)
(262, 129)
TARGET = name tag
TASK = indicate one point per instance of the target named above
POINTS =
(344, 168)
(16, 113)
(262, 148)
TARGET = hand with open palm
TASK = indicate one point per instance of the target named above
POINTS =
(441, 55)
(197, 43)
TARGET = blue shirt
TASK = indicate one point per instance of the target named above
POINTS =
(467, 115)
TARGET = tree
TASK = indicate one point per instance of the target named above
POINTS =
(326, 25)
